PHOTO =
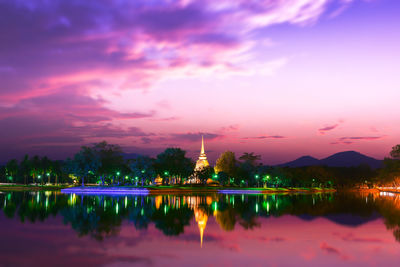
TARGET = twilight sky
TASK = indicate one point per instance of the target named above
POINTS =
(282, 78)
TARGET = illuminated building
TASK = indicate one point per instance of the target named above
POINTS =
(202, 162)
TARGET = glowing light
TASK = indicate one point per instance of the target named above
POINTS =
(256, 208)
(116, 208)
(232, 191)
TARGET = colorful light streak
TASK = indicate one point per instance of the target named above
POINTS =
(108, 191)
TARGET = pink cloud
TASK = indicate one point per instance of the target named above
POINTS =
(327, 128)
(265, 137)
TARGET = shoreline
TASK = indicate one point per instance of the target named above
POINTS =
(188, 190)
(153, 190)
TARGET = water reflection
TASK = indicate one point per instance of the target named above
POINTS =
(101, 216)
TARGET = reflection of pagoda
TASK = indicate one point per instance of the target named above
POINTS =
(202, 161)
(201, 219)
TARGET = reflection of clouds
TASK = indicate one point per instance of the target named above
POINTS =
(62, 246)
(325, 247)
(273, 239)
(332, 250)
(353, 238)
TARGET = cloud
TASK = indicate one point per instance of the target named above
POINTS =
(230, 128)
(351, 139)
(265, 137)
(58, 57)
(132, 44)
(368, 138)
(171, 138)
(327, 128)
(63, 118)
(195, 137)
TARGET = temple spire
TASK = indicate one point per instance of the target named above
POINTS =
(202, 146)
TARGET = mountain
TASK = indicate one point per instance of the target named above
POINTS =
(341, 159)
(302, 161)
(349, 159)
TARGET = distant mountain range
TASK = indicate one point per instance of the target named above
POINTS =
(341, 159)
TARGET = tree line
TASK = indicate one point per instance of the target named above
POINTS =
(104, 164)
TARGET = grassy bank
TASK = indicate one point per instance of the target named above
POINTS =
(32, 187)
(177, 189)
(163, 189)
(204, 189)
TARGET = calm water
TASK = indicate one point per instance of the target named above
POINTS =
(53, 229)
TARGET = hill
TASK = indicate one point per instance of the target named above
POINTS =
(341, 159)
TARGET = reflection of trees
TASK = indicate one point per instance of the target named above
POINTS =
(226, 219)
(172, 221)
(100, 217)
(389, 207)
(98, 223)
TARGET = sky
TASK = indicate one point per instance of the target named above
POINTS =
(281, 78)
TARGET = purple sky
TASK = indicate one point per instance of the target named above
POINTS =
(280, 78)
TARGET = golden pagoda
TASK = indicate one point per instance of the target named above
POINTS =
(202, 161)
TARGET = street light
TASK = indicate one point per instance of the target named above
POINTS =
(257, 176)
(266, 181)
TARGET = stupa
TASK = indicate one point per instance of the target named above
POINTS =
(202, 161)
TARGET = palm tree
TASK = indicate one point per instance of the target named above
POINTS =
(46, 168)
(26, 166)
(12, 168)
(36, 168)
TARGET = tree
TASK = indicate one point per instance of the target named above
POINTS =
(395, 153)
(223, 178)
(111, 160)
(36, 168)
(25, 167)
(226, 163)
(204, 173)
(250, 158)
(85, 163)
(57, 170)
(142, 167)
(174, 163)
(12, 169)
(46, 168)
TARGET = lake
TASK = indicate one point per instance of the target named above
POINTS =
(326, 229)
